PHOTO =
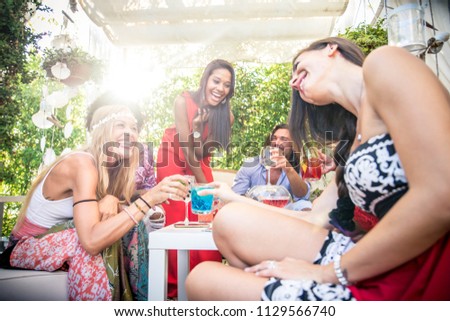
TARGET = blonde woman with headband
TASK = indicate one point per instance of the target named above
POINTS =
(60, 225)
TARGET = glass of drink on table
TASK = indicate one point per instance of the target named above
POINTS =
(202, 205)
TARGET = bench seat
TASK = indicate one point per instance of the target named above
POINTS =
(30, 285)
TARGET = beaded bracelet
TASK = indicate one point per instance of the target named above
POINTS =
(131, 216)
(140, 208)
(338, 271)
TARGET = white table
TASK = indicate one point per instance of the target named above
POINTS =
(171, 238)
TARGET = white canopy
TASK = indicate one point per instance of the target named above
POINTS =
(152, 22)
(190, 33)
(237, 30)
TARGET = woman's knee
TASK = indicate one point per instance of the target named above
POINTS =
(198, 280)
(229, 218)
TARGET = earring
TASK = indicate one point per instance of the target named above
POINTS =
(224, 101)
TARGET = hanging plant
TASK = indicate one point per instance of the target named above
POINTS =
(73, 66)
(367, 36)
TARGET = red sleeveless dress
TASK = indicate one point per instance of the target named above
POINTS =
(171, 161)
(424, 278)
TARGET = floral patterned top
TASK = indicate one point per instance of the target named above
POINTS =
(145, 174)
(374, 175)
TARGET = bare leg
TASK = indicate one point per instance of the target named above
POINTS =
(213, 281)
(246, 235)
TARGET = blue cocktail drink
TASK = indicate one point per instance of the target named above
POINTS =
(201, 204)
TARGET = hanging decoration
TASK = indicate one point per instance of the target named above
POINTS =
(406, 27)
(57, 99)
(68, 130)
(60, 70)
(41, 119)
(49, 156)
(42, 143)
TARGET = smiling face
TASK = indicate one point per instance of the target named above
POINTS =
(218, 86)
(115, 129)
(282, 139)
(310, 76)
(124, 132)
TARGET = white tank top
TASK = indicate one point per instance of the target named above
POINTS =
(47, 213)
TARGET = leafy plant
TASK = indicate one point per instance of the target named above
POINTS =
(21, 163)
(73, 57)
(368, 37)
(17, 42)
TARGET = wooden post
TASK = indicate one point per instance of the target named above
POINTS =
(7, 199)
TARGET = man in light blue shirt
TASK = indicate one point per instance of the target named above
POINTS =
(286, 172)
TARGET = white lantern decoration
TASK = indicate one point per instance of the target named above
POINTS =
(43, 141)
(71, 91)
(44, 91)
(60, 70)
(57, 99)
(69, 112)
(68, 130)
(40, 119)
(49, 156)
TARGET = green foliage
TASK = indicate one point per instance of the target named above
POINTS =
(21, 163)
(73, 57)
(158, 108)
(261, 102)
(17, 42)
(367, 37)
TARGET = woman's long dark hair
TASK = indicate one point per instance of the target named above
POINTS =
(219, 122)
(294, 159)
(330, 124)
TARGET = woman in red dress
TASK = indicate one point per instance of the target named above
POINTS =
(203, 121)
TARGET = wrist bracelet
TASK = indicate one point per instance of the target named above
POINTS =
(338, 271)
(140, 208)
(131, 216)
(146, 203)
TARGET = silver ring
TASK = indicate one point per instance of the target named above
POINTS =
(170, 195)
(271, 265)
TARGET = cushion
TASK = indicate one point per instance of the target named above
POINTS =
(29, 285)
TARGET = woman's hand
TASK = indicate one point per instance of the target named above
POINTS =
(327, 161)
(201, 117)
(108, 206)
(288, 268)
(173, 187)
(222, 191)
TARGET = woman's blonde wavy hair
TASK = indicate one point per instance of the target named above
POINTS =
(118, 181)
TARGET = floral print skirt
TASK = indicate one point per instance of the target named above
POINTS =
(120, 272)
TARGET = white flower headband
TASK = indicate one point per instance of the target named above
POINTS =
(113, 117)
